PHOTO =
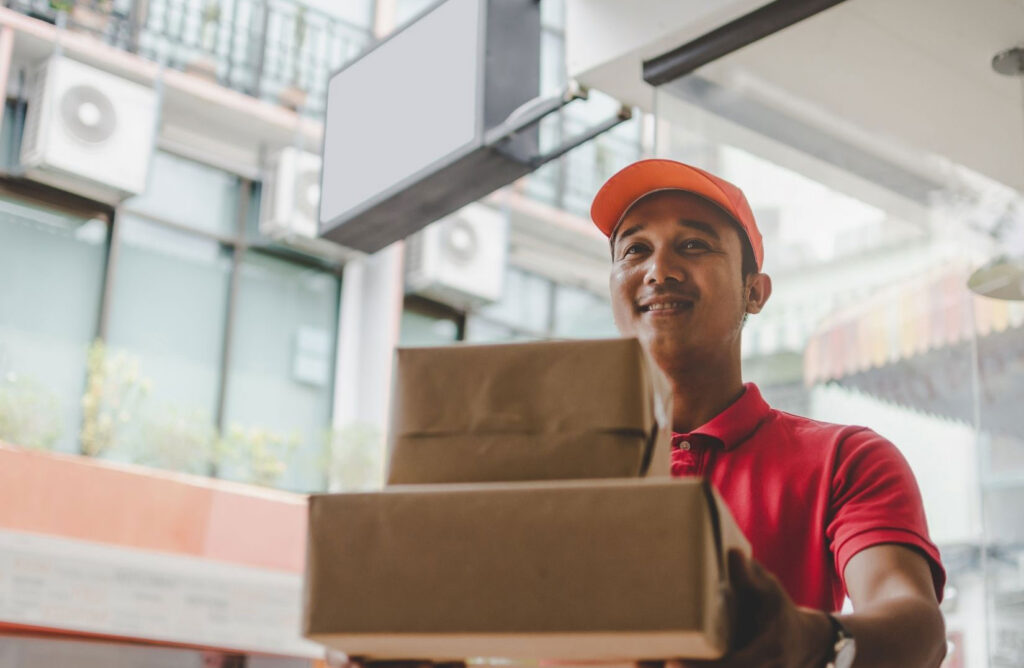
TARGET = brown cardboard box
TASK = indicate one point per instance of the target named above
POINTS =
(572, 570)
(528, 411)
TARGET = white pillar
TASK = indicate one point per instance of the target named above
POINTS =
(369, 317)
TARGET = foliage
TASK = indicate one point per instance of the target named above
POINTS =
(179, 440)
(210, 24)
(298, 41)
(113, 390)
(260, 453)
(30, 414)
(355, 457)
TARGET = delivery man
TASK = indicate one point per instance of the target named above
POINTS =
(829, 509)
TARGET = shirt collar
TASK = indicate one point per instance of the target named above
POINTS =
(737, 422)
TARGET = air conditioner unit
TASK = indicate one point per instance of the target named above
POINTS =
(291, 195)
(459, 260)
(88, 131)
(290, 204)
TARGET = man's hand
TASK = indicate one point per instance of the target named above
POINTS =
(896, 621)
(770, 630)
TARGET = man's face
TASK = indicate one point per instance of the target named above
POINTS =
(676, 281)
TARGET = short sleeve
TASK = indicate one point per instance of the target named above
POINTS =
(875, 500)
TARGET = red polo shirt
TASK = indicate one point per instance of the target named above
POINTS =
(808, 495)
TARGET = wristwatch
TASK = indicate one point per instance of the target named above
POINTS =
(843, 648)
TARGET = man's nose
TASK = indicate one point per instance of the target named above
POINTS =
(663, 266)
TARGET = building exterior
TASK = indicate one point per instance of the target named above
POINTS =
(181, 360)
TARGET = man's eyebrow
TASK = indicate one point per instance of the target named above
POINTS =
(698, 225)
(701, 226)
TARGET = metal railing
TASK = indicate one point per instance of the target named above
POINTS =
(276, 50)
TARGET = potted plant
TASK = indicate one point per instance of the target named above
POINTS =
(204, 63)
(293, 96)
(90, 18)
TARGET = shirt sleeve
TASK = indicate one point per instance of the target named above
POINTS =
(876, 500)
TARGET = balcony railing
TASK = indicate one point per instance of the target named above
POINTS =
(275, 50)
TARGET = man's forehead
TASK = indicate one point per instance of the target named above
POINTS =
(631, 227)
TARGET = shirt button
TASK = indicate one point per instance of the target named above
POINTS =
(685, 445)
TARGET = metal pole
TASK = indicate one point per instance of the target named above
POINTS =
(731, 37)
(238, 253)
(261, 51)
(6, 49)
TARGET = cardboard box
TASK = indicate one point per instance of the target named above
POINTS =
(573, 570)
(528, 411)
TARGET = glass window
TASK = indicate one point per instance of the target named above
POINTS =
(525, 303)
(481, 330)
(581, 314)
(421, 329)
(51, 267)
(152, 393)
(189, 193)
(873, 225)
(406, 10)
(552, 14)
(278, 403)
(357, 12)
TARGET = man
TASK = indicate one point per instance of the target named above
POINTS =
(828, 509)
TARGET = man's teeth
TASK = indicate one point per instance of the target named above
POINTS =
(665, 306)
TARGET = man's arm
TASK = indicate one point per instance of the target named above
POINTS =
(896, 620)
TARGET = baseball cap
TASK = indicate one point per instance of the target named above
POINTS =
(629, 184)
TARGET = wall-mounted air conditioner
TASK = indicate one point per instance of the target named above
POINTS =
(88, 131)
(290, 204)
(291, 195)
(459, 260)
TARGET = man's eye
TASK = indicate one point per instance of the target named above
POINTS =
(633, 249)
(695, 244)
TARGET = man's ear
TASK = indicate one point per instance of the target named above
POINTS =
(759, 289)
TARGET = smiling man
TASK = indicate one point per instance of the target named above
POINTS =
(830, 510)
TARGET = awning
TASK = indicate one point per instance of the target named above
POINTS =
(912, 345)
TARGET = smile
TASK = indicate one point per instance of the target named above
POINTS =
(666, 306)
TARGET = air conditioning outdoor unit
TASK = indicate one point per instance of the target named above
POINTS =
(88, 131)
(291, 200)
(459, 260)
(291, 195)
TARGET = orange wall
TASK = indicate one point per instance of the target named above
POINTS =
(87, 499)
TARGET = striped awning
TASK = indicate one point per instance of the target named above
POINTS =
(910, 319)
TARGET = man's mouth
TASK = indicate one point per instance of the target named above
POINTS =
(666, 307)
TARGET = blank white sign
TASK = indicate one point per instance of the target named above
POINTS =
(409, 103)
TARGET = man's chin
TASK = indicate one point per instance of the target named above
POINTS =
(666, 344)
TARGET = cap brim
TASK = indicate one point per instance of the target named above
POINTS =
(642, 178)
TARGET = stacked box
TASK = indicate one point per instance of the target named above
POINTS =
(500, 535)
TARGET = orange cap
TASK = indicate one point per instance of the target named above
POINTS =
(632, 182)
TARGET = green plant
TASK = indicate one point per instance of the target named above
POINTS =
(179, 440)
(210, 23)
(30, 415)
(355, 457)
(299, 41)
(113, 390)
(261, 454)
